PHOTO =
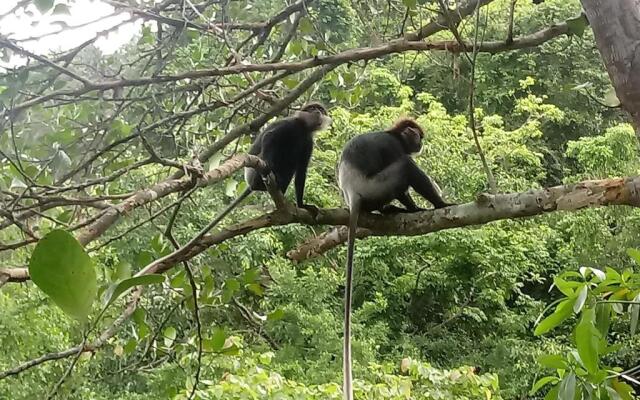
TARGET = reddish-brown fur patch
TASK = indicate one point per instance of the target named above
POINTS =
(403, 123)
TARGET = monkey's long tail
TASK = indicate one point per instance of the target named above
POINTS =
(347, 386)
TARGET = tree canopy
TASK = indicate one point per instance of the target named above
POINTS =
(113, 162)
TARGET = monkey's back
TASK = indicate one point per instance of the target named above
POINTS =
(280, 145)
(372, 152)
(371, 170)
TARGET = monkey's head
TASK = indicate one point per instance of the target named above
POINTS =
(409, 133)
(314, 116)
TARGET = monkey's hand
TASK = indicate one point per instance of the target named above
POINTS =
(446, 205)
(313, 210)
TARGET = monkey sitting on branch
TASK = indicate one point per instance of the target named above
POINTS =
(285, 146)
(376, 168)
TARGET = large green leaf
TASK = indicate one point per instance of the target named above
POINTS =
(541, 383)
(567, 389)
(587, 340)
(577, 25)
(553, 361)
(562, 312)
(61, 268)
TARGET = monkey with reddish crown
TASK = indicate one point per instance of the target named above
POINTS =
(376, 168)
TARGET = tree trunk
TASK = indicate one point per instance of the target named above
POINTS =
(616, 27)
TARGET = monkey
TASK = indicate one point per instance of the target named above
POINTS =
(376, 168)
(285, 146)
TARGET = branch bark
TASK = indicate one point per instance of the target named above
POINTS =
(163, 189)
(486, 208)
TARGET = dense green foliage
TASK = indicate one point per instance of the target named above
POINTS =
(450, 315)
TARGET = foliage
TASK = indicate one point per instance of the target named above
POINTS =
(254, 379)
(266, 327)
(597, 298)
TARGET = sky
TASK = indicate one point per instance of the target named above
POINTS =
(21, 26)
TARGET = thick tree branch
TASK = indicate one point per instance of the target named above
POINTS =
(486, 208)
(162, 189)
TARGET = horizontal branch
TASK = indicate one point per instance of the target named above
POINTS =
(13, 275)
(163, 189)
(486, 208)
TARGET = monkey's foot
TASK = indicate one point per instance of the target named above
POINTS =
(313, 210)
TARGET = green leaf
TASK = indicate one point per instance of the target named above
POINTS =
(624, 390)
(566, 287)
(61, 268)
(217, 339)
(562, 312)
(178, 280)
(230, 189)
(251, 275)
(256, 289)
(552, 394)
(613, 395)
(242, 186)
(43, 5)
(567, 389)
(409, 3)
(116, 290)
(541, 383)
(553, 361)
(582, 297)
(587, 341)
(232, 284)
(276, 315)
(61, 9)
(577, 25)
(130, 347)
(143, 258)
(634, 254)
(139, 316)
(603, 318)
(169, 335)
(123, 271)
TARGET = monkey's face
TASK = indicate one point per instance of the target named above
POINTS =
(315, 116)
(412, 137)
(325, 122)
